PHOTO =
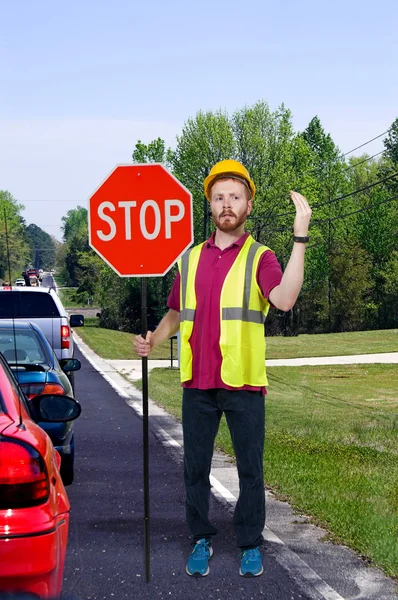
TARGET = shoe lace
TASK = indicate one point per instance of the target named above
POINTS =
(250, 554)
(201, 549)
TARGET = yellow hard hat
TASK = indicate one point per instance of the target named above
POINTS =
(226, 168)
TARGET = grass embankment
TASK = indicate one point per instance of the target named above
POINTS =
(332, 432)
(118, 344)
(331, 448)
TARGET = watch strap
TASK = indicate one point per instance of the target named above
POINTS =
(301, 239)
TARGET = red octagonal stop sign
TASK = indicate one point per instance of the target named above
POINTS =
(140, 220)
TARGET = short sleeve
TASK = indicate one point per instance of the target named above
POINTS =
(173, 300)
(269, 273)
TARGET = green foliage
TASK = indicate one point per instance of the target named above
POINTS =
(15, 253)
(75, 229)
(349, 273)
(74, 223)
(351, 286)
(154, 152)
(388, 278)
(205, 140)
(42, 247)
(391, 143)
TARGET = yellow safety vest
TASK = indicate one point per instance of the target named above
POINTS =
(243, 310)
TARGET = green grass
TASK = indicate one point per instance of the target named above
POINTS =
(331, 344)
(67, 297)
(116, 344)
(331, 448)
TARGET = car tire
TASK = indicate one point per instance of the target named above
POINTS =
(67, 469)
(71, 377)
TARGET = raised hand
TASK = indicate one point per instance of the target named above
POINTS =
(303, 214)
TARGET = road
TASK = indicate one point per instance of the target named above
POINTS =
(105, 554)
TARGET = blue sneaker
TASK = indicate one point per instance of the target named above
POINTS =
(198, 560)
(251, 563)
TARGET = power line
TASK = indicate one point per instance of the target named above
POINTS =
(357, 191)
(368, 142)
(330, 219)
(348, 167)
(354, 212)
(322, 243)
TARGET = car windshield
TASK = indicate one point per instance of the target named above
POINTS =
(26, 305)
(24, 347)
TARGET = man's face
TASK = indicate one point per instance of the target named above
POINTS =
(229, 204)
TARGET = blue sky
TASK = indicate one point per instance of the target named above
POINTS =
(81, 82)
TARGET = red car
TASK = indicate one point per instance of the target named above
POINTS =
(34, 506)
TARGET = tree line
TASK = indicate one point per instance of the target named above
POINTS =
(351, 274)
(22, 246)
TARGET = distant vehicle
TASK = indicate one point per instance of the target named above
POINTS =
(33, 281)
(37, 370)
(32, 271)
(34, 506)
(20, 282)
(43, 307)
(47, 280)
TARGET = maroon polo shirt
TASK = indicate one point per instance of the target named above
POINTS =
(213, 267)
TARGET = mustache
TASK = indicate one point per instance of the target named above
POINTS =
(227, 214)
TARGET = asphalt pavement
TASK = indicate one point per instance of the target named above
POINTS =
(106, 545)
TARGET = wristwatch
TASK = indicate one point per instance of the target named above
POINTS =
(302, 240)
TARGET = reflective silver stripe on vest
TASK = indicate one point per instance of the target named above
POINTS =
(186, 314)
(246, 314)
(243, 314)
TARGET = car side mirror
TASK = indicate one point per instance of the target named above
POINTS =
(70, 364)
(55, 408)
(76, 320)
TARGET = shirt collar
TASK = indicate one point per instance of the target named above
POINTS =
(239, 242)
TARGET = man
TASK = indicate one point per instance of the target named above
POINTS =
(219, 301)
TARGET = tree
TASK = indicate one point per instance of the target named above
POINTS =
(42, 247)
(14, 249)
(391, 142)
(205, 140)
(74, 222)
(352, 284)
(75, 229)
(154, 152)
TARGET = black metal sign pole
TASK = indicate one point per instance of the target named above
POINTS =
(144, 329)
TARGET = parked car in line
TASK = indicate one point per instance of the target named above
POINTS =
(20, 282)
(42, 306)
(34, 506)
(38, 372)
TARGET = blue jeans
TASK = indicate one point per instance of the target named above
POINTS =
(245, 415)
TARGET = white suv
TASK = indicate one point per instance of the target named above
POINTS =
(42, 306)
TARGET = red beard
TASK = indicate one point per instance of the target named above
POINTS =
(228, 225)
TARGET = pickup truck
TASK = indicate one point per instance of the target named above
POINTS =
(42, 306)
